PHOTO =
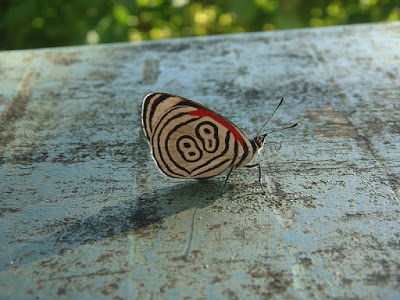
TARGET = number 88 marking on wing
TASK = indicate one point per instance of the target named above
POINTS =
(188, 149)
(207, 132)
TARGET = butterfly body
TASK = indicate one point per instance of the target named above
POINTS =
(188, 140)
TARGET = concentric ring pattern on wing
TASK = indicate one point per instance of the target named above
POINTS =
(189, 140)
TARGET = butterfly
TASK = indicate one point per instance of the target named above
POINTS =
(189, 140)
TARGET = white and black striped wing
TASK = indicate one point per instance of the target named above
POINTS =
(189, 140)
(155, 106)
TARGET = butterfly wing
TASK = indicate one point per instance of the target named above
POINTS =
(155, 105)
(189, 140)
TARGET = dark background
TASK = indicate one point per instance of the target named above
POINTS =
(45, 23)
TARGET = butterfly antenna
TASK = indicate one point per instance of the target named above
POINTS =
(294, 125)
(283, 98)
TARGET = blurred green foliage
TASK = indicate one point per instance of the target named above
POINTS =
(48, 23)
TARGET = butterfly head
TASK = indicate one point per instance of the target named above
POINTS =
(259, 140)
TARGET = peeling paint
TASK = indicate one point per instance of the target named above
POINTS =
(336, 125)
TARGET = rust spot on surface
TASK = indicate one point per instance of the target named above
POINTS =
(147, 232)
(8, 210)
(105, 76)
(337, 125)
(61, 291)
(391, 96)
(65, 60)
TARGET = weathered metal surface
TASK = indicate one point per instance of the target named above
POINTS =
(85, 213)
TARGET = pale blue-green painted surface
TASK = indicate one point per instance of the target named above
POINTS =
(84, 213)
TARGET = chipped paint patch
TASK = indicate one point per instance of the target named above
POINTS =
(17, 107)
(150, 71)
(336, 125)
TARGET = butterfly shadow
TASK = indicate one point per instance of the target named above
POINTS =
(166, 202)
(141, 211)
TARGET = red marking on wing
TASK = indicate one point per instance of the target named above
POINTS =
(201, 112)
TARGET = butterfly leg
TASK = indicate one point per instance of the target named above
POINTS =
(259, 174)
(226, 180)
